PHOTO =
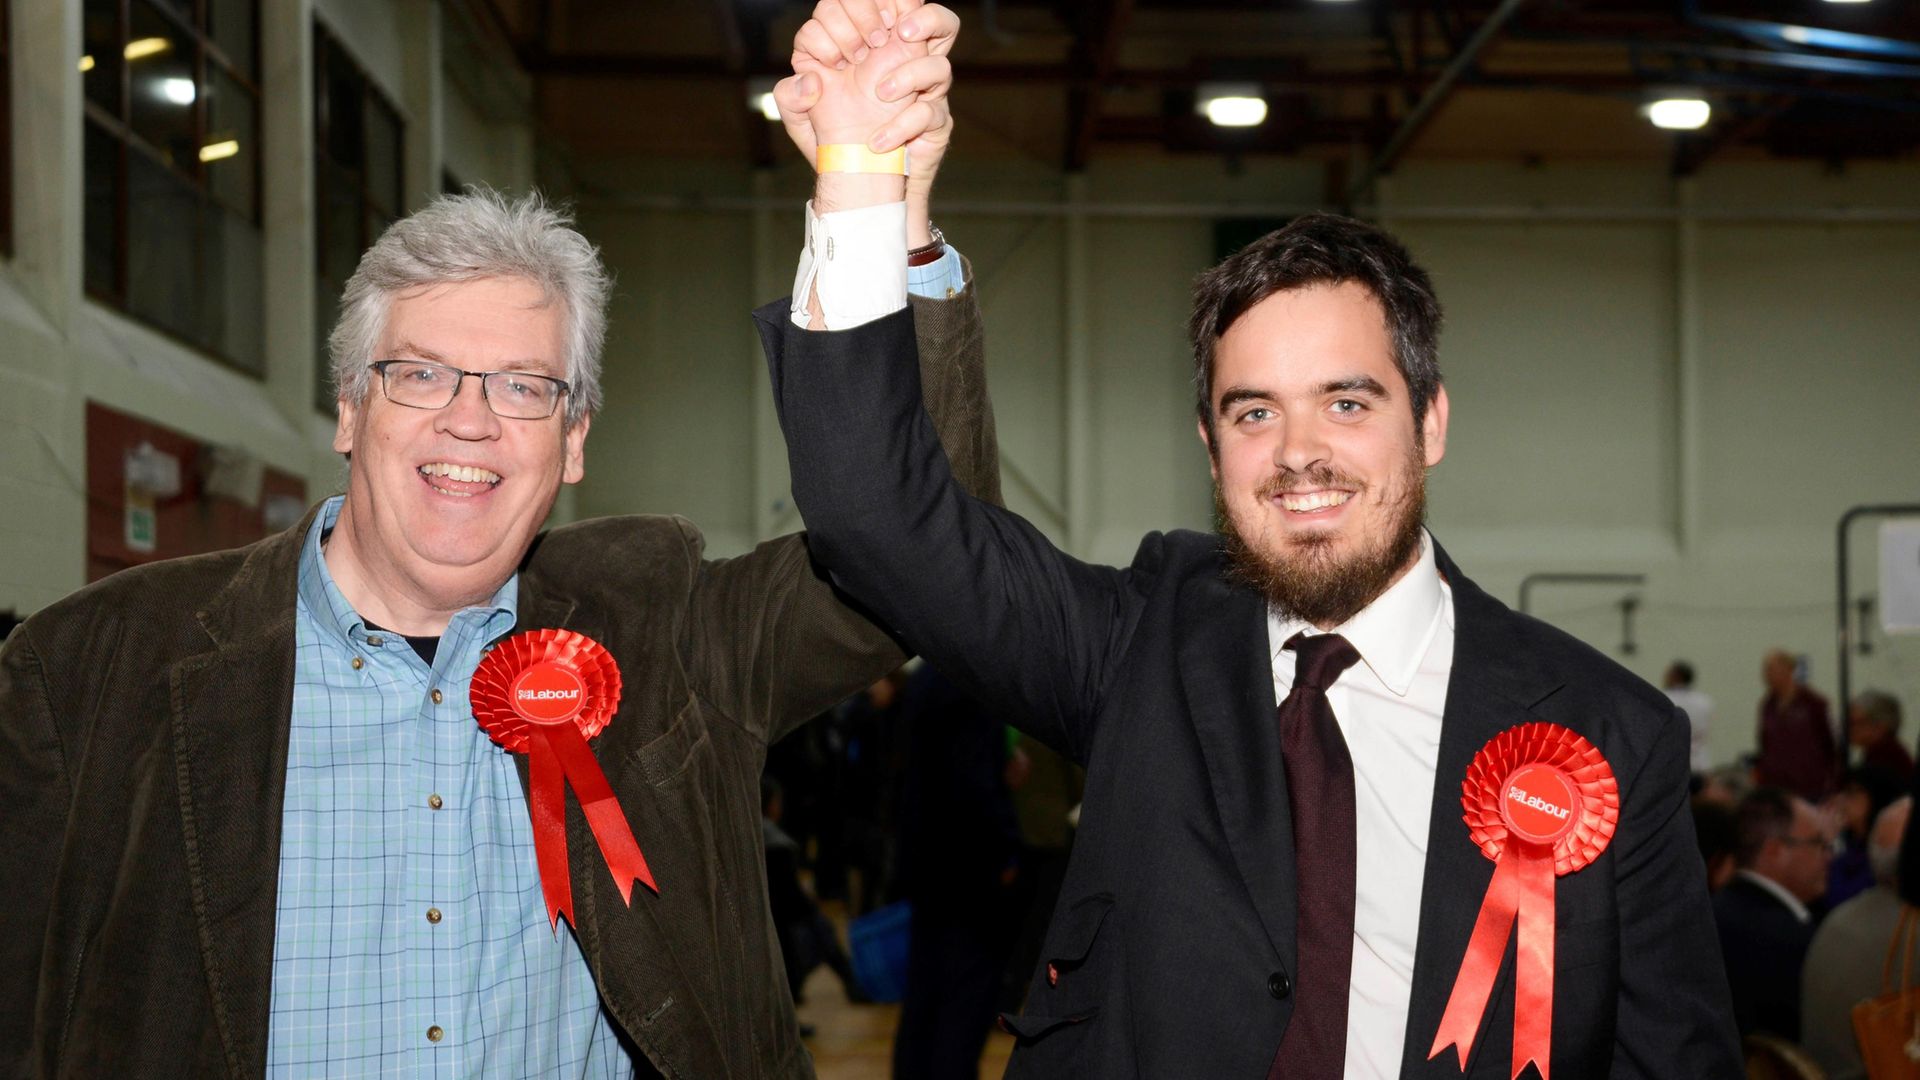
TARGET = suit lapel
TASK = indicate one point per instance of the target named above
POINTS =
(231, 710)
(1227, 676)
(1489, 690)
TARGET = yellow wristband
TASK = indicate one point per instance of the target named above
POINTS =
(856, 158)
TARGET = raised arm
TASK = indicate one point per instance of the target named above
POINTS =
(773, 643)
(976, 589)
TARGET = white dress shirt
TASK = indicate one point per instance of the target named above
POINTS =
(855, 263)
(1388, 707)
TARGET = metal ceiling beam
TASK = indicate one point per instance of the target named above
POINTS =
(595, 65)
(1436, 95)
(1083, 100)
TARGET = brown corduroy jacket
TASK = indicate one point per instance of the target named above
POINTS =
(143, 749)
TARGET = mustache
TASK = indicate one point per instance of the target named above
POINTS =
(1319, 475)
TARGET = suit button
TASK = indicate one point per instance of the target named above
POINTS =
(1053, 975)
(1279, 985)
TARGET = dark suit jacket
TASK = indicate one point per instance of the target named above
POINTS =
(143, 749)
(1173, 940)
(1765, 947)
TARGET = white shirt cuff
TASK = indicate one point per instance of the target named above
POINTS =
(855, 263)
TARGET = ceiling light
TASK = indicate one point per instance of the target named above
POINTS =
(178, 91)
(86, 63)
(1679, 114)
(1846, 1)
(216, 151)
(140, 48)
(760, 98)
(1231, 104)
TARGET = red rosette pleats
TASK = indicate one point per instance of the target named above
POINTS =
(1540, 801)
(544, 693)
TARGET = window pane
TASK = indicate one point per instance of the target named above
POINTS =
(344, 125)
(102, 201)
(383, 156)
(100, 61)
(326, 311)
(232, 22)
(232, 292)
(340, 241)
(232, 145)
(162, 279)
(163, 87)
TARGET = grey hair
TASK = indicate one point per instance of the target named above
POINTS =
(481, 234)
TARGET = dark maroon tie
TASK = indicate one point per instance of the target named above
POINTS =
(1320, 790)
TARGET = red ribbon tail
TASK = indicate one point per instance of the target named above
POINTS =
(1460, 1024)
(603, 814)
(1533, 981)
(547, 803)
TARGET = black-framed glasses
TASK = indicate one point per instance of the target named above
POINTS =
(516, 395)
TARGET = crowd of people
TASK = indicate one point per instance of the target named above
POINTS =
(913, 792)
(1803, 849)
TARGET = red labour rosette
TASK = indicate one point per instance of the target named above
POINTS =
(1540, 801)
(544, 693)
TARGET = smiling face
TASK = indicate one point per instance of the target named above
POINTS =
(443, 503)
(1319, 467)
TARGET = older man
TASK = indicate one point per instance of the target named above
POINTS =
(1794, 732)
(251, 825)
(1873, 725)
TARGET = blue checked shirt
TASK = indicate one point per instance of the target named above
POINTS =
(411, 939)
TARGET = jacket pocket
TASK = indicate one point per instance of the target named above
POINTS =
(667, 755)
(1073, 973)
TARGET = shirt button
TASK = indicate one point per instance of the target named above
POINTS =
(434, 801)
(433, 915)
(376, 640)
(1279, 985)
(434, 1034)
(436, 697)
(358, 663)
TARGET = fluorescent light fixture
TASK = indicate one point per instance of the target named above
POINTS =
(178, 91)
(86, 63)
(1680, 114)
(140, 48)
(760, 98)
(1231, 104)
(1846, 1)
(216, 151)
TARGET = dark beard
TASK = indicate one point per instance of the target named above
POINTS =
(1306, 583)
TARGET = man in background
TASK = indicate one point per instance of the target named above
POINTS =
(1763, 915)
(1678, 683)
(1873, 725)
(1795, 736)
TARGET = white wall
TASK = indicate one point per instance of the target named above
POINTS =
(59, 350)
(1686, 381)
